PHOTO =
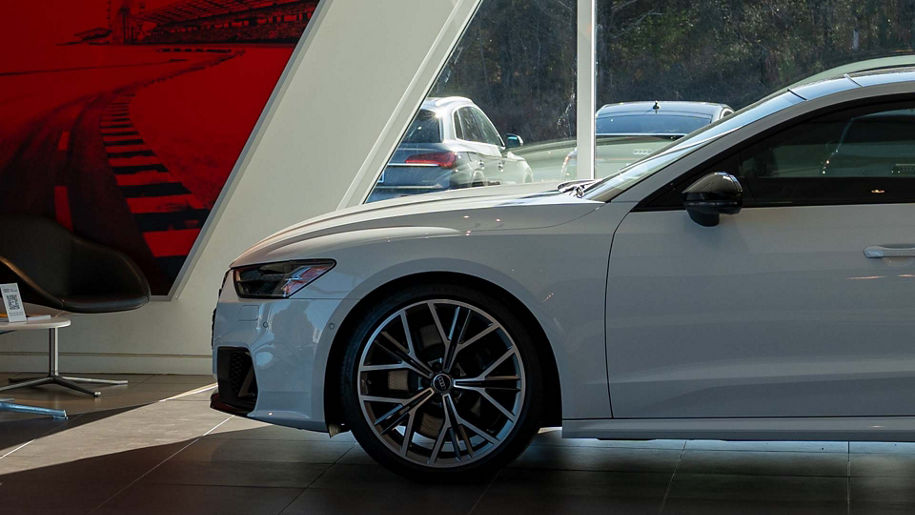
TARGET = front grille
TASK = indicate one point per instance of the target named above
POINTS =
(235, 373)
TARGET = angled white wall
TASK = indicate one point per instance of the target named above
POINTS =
(348, 93)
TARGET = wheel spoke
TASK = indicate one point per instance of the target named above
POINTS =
(462, 422)
(403, 355)
(407, 434)
(440, 440)
(441, 330)
(404, 408)
(461, 345)
(392, 366)
(483, 393)
(451, 411)
(411, 350)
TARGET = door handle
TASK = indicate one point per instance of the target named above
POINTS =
(890, 251)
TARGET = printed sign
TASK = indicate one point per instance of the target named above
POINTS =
(12, 301)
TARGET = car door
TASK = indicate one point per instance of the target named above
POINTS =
(512, 168)
(802, 304)
(485, 152)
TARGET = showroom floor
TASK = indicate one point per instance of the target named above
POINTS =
(132, 452)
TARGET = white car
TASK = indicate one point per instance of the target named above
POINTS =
(755, 280)
(451, 144)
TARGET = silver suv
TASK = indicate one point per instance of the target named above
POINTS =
(451, 144)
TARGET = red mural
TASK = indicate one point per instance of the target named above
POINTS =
(122, 119)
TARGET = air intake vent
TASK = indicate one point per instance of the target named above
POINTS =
(235, 373)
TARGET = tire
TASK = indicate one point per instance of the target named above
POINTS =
(469, 407)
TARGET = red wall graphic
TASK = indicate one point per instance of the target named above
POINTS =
(122, 119)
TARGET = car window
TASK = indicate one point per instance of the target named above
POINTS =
(854, 156)
(425, 128)
(470, 126)
(458, 131)
(606, 189)
(490, 134)
(624, 124)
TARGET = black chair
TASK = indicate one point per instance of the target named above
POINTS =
(58, 269)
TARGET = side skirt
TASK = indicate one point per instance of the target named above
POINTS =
(890, 429)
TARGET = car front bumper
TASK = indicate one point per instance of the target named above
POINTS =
(270, 356)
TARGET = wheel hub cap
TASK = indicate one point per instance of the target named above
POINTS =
(442, 383)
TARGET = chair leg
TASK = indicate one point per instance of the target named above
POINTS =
(26, 382)
(58, 380)
(97, 381)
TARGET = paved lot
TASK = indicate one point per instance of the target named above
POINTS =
(129, 453)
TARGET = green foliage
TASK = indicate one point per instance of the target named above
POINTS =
(517, 58)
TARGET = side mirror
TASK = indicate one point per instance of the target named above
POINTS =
(513, 141)
(712, 195)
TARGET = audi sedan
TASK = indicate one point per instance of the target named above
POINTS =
(629, 131)
(753, 280)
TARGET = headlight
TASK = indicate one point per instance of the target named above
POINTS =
(277, 280)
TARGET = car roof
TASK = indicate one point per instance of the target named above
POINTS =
(664, 106)
(442, 103)
(861, 79)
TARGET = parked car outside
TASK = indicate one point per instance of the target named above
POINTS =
(451, 144)
(752, 264)
(630, 131)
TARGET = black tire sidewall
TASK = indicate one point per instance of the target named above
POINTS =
(531, 413)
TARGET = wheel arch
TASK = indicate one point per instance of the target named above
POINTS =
(332, 405)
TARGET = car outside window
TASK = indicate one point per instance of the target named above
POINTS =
(621, 124)
(425, 128)
(470, 126)
(859, 156)
(490, 134)
(608, 188)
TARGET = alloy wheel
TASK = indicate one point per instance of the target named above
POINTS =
(441, 383)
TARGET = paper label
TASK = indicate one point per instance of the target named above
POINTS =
(12, 301)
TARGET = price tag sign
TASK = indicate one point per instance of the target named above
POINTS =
(12, 301)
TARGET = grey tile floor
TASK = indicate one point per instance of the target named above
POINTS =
(133, 452)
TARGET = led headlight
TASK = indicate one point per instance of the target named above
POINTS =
(277, 280)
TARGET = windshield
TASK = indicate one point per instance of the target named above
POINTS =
(426, 128)
(650, 123)
(611, 186)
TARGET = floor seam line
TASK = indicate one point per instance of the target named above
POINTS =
(670, 482)
(17, 448)
(485, 491)
(848, 479)
(313, 481)
(150, 471)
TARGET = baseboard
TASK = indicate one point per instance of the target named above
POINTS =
(99, 363)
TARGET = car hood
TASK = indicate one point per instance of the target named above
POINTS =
(495, 208)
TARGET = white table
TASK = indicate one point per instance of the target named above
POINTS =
(52, 324)
(58, 319)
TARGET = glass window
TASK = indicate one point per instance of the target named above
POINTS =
(425, 128)
(471, 127)
(651, 124)
(861, 156)
(513, 71)
(490, 134)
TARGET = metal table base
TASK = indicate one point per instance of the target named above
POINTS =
(54, 376)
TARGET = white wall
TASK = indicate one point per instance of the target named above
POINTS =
(329, 121)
